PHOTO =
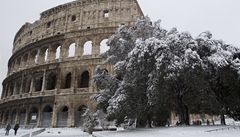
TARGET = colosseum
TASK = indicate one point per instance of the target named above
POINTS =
(53, 60)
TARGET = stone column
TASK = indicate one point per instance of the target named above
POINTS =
(3, 91)
(26, 122)
(79, 48)
(3, 118)
(96, 47)
(59, 76)
(15, 88)
(63, 51)
(39, 120)
(54, 116)
(73, 84)
(51, 54)
(17, 117)
(44, 81)
(31, 85)
(9, 117)
(21, 87)
(71, 116)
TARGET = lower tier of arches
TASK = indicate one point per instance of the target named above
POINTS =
(55, 111)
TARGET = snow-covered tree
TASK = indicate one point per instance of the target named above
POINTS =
(221, 61)
(89, 121)
(158, 71)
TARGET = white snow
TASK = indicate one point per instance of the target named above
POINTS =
(175, 132)
(20, 132)
(63, 132)
(192, 131)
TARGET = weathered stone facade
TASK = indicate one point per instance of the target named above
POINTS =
(46, 85)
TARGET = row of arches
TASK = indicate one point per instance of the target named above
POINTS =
(36, 117)
(46, 81)
(56, 52)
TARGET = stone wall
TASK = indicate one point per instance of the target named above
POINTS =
(54, 59)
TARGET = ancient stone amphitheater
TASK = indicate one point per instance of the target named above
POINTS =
(53, 61)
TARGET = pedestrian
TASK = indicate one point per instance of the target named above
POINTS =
(208, 123)
(8, 127)
(16, 127)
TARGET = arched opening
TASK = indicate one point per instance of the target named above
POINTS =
(62, 117)
(87, 48)
(33, 116)
(25, 60)
(103, 46)
(46, 55)
(18, 86)
(47, 116)
(13, 117)
(6, 117)
(26, 84)
(106, 13)
(58, 52)
(73, 18)
(68, 80)
(79, 118)
(71, 50)
(84, 80)
(22, 116)
(38, 83)
(11, 89)
(36, 58)
(51, 81)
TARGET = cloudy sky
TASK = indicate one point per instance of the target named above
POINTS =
(221, 17)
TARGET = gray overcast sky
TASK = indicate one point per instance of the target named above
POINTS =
(221, 17)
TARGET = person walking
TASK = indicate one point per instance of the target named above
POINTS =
(8, 127)
(16, 127)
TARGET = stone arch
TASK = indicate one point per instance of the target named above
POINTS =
(67, 80)
(18, 63)
(18, 86)
(72, 49)
(11, 89)
(26, 84)
(6, 117)
(25, 60)
(83, 80)
(38, 82)
(33, 116)
(47, 116)
(34, 57)
(22, 115)
(58, 52)
(87, 48)
(62, 117)
(51, 81)
(13, 117)
(103, 46)
(79, 118)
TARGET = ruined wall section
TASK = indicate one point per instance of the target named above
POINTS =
(76, 16)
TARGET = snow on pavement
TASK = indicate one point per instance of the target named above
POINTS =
(198, 131)
(20, 132)
(193, 131)
(63, 132)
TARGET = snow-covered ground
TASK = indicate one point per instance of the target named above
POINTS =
(63, 132)
(197, 131)
(233, 130)
(20, 132)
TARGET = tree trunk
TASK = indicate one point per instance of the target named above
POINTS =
(183, 112)
(223, 122)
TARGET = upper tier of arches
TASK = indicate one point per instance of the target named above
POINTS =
(78, 16)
